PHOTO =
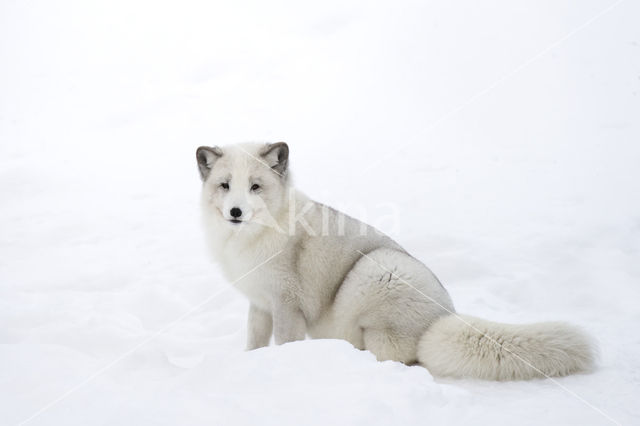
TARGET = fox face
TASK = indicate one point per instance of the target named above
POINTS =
(244, 185)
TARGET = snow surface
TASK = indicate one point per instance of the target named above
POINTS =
(499, 142)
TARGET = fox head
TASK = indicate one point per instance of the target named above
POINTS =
(245, 184)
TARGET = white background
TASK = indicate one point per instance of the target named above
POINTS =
(498, 141)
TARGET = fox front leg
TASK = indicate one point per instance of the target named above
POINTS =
(288, 323)
(259, 328)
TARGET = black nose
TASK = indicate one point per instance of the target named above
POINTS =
(235, 212)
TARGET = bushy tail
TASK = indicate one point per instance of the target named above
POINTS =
(464, 346)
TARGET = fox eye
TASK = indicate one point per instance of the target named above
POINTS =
(255, 187)
(225, 186)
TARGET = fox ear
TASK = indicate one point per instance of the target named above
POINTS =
(276, 156)
(206, 156)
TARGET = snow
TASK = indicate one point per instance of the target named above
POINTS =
(498, 143)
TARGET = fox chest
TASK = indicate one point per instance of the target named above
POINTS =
(258, 291)
(256, 283)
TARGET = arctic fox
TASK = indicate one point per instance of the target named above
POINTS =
(310, 270)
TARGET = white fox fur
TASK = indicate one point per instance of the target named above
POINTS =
(465, 346)
(309, 270)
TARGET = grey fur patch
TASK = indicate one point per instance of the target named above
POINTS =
(206, 157)
(361, 254)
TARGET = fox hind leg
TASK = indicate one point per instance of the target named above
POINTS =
(386, 344)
